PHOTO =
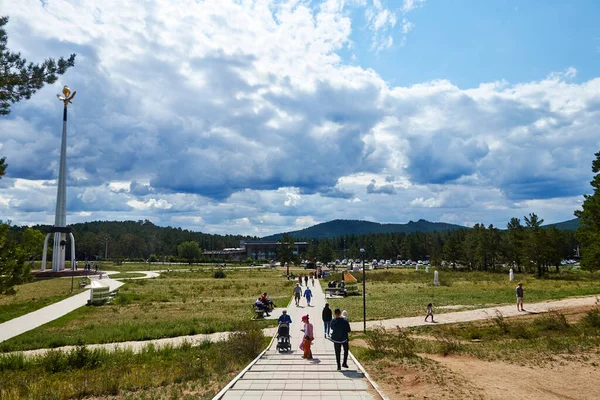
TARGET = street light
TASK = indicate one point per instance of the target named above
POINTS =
(362, 253)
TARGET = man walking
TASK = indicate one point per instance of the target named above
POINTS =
(297, 294)
(327, 319)
(339, 337)
(520, 297)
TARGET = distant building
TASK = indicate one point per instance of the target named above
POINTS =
(267, 250)
(235, 253)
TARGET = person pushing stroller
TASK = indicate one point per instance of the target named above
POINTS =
(283, 332)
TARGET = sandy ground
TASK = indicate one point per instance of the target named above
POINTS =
(465, 377)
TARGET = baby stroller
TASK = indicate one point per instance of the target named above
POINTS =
(283, 337)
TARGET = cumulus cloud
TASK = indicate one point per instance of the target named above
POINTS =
(373, 188)
(231, 116)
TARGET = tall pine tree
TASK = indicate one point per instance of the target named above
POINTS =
(588, 232)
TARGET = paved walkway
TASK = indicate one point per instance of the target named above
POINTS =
(287, 376)
(27, 322)
(479, 314)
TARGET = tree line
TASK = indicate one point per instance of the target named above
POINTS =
(526, 246)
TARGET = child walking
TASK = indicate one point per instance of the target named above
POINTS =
(429, 312)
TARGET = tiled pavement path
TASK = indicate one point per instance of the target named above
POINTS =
(288, 376)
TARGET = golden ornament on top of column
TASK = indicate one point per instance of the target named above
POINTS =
(67, 96)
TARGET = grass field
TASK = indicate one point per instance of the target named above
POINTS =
(175, 304)
(182, 372)
(35, 295)
(530, 340)
(406, 293)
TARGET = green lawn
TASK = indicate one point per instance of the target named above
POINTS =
(175, 304)
(35, 295)
(406, 293)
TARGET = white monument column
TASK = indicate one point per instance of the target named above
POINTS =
(60, 219)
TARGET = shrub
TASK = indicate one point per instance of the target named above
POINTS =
(220, 274)
(501, 322)
(376, 340)
(245, 344)
(397, 344)
(592, 318)
(553, 321)
(401, 343)
(446, 345)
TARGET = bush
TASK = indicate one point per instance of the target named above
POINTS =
(501, 322)
(398, 344)
(592, 318)
(246, 344)
(220, 274)
(376, 340)
(553, 321)
(446, 345)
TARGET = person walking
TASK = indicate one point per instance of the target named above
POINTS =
(297, 294)
(345, 315)
(429, 312)
(520, 293)
(308, 295)
(300, 279)
(306, 280)
(312, 280)
(327, 317)
(308, 338)
(284, 317)
(339, 337)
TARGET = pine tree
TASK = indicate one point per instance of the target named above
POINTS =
(588, 232)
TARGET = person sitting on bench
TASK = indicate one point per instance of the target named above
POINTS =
(261, 307)
(267, 301)
(342, 285)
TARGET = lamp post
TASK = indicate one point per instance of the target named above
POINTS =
(364, 278)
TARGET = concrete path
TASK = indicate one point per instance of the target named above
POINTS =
(479, 314)
(148, 274)
(27, 322)
(287, 376)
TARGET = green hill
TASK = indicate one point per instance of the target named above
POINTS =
(570, 225)
(341, 227)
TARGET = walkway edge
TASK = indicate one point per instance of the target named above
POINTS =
(366, 374)
(238, 376)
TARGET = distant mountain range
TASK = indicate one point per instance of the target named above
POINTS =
(341, 227)
(570, 225)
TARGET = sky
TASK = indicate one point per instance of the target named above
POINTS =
(257, 117)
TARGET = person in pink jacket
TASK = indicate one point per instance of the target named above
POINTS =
(308, 338)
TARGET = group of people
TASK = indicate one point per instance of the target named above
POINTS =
(264, 303)
(336, 328)
(306, 278)
(298, 295)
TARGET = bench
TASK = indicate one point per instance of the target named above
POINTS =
(330, 292)
(259, 313)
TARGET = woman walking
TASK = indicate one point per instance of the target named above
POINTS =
(308, 338)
